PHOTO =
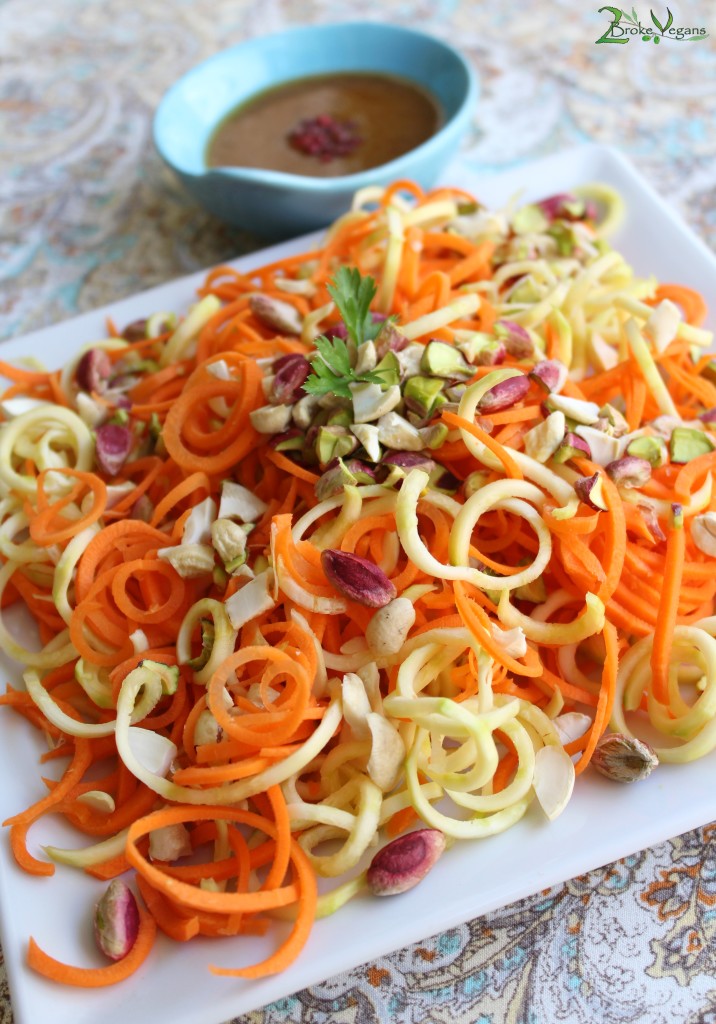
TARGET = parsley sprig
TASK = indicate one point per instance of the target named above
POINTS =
(332, 370)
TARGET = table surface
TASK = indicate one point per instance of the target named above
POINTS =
(89, 215)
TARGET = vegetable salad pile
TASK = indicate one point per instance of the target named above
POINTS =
(382, 535)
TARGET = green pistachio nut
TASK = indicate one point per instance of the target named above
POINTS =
(294, 443)
(434, 435)
(389, 370)
(443, 360)
(686, 444)
(339, 418)
(333, 443)
(653, 449)
(421, 394)
(564, 237)
(529, 220)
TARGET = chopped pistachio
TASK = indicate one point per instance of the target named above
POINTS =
(575, 408)
(395, 431)
(434, 435)
(651, 448)
(529, 220)
(334, 443)
(687, 444)
(366, 358)
(614, 423)
(542, 441)
(442, 360)
(389, 370)
(339, 418)
(291, 441)
(703, 532)
(189, 560)
(421, 395)
(229, 541)
(367, 434)
(270, 419)
(572, 447)
(370, 402)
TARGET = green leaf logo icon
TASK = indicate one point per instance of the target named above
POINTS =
(669, 21)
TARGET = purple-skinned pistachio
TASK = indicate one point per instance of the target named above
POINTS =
(357, 578)
(550, 375)
(492, 354)
(338, 330)
(292, 440)
(564, 206)
(93, 370)
(651, 520)
(340, 474)
(572, 447)
(409, 460)
(505, 394)
(629, 471)
(112, 447)
(290, 373)
(611, 421)
(136, 331)
(405, 861)
(515, 339)
(116, 920)
(589, 490)
(389, 339)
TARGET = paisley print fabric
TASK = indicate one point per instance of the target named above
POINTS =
(88, 215)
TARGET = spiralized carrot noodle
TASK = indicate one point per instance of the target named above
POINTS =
(347, 548)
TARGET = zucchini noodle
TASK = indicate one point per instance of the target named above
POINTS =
(300, 584)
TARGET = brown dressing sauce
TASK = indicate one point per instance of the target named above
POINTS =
(387, 115)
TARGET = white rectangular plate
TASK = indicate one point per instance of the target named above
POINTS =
(602, 823)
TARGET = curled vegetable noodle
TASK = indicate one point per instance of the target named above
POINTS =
(383, 534)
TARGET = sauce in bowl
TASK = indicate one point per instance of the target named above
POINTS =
(326, 126)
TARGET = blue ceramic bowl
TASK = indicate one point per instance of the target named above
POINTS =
(274, 204)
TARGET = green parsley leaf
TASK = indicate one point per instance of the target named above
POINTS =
(353, 295)
(332, 370)
(334, 354)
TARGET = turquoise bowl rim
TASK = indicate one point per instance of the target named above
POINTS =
(297, 182)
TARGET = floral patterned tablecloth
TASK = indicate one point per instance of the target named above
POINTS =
(90, 215)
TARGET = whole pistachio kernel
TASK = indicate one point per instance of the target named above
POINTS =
(357, 578)
(404, 862)
(624, 758)
(505, 394)
(116, 920)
